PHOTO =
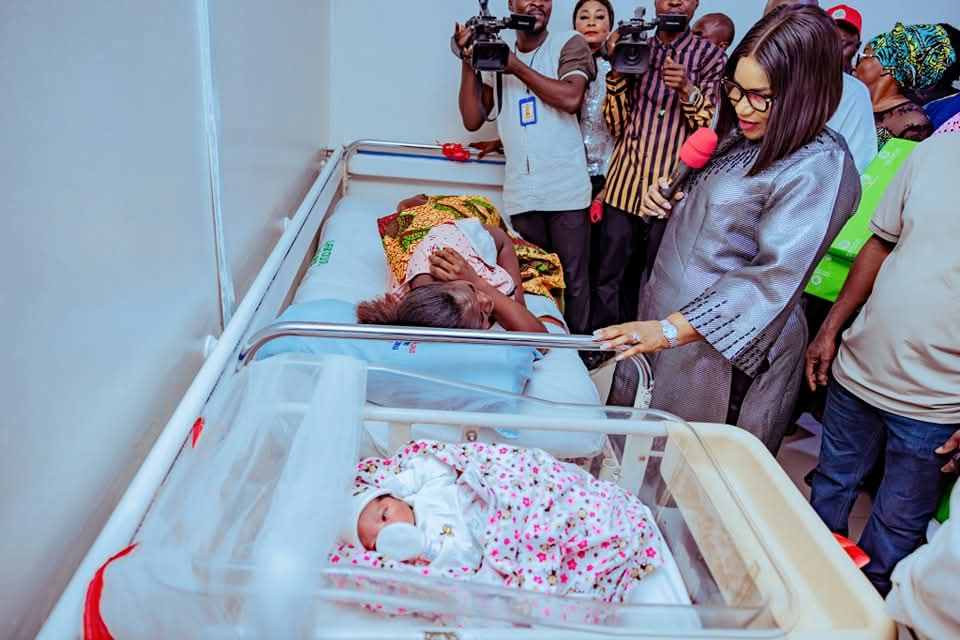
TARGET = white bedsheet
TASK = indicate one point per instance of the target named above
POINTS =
(351, 266)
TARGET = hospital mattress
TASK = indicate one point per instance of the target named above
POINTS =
(350, 265)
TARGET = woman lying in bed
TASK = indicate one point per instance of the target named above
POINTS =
(454, 265)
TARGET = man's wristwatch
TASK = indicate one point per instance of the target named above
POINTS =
(694, 96)
(670, 332)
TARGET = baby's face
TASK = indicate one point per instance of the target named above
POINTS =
(378, 514)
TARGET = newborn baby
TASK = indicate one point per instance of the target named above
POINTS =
(413, 516)
(499, 515)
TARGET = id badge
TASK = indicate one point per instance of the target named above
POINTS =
(528, 111)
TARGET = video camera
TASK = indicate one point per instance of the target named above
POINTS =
(490, 53)
(631, 55)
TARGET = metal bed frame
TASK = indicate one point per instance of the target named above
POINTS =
(271, 291)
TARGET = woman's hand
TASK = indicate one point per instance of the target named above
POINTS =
(632, 338)
(447, 265)
(655, 205)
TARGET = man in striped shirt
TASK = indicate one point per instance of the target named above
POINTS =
(650, 116)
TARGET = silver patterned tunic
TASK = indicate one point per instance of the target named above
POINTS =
(596, 137)
(735, 258)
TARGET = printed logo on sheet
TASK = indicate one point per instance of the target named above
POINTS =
(323, 254)
(404, 345)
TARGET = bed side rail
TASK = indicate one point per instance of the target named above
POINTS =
(418, 334)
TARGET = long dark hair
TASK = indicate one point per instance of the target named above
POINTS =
(798, 49)
(605, 3)
(431, 305)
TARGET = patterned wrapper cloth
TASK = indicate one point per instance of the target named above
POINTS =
(401, 232)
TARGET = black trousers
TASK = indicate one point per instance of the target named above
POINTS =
(619, 252)
(566, 233)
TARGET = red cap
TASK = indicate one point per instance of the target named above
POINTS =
(699, 147)
(846, 13)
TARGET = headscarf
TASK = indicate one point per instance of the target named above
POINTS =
(916, 55)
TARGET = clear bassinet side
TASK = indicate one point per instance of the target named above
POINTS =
(236, 543)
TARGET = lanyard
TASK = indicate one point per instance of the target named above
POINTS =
(532, 59)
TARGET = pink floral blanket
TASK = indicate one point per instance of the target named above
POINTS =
(545, 526)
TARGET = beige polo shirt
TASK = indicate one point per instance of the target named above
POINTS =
(902, 353)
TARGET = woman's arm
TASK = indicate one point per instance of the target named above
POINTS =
(448, 265)
(743, 313)
(646, 336)
(512, 315)
(507, 258)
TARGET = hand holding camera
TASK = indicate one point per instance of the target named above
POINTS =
(629, 45)
(479, 39)
(462, 41)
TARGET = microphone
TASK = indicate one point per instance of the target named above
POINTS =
(694, 154)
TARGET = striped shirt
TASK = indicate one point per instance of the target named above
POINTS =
(650, 121)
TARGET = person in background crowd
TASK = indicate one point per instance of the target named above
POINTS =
(546, 191)
(939, 111)
(650, 116)
(854, 116)
(950, 126)
(850, 23)
(593, 19)
(773, 4)
(726, 328)
(942, 101)
(717, 28)
(894, 392)
(907, 57)
(925, 597)
(945, 87)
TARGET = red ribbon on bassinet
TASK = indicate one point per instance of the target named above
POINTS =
(94, 628)
(454, 151)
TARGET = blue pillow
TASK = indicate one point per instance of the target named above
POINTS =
(500, 367)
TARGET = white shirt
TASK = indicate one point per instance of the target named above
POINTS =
(854, 121)
(546, 162)
(926, 594)
(431, 488)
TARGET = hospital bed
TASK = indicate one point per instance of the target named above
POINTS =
(752, 558)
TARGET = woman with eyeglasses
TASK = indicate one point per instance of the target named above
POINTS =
(725, 327)
(907, 58)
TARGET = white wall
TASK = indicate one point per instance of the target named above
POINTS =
(395, 78)
(108, 280)
(272, 68)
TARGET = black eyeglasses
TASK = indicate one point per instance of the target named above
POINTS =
(736, 93)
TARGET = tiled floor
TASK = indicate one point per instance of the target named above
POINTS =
(798, 456)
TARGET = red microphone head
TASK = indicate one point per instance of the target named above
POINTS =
(699, 147)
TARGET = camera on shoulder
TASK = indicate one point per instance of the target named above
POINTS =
(631, 55)
(490, 53)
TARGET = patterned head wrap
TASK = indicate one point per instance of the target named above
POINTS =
(917, 55)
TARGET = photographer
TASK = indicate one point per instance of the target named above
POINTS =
(546, 191)
(650, 115)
